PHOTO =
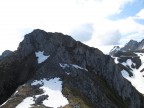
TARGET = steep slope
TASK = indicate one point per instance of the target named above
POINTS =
(132, 69)
(78, 75)
(130, 59)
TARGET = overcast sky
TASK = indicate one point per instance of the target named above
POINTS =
(98, 23)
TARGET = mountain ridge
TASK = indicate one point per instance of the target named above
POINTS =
(89, 78)
(132, 45)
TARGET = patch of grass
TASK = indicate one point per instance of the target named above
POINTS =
(23, 92)
(75, 98)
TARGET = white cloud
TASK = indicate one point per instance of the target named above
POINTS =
(127, 25)
(138, 36)
(140, 14)
(111, 38)
(83, 32)
(18, 17)
(108, 33)
(103, 8)
(105, 40)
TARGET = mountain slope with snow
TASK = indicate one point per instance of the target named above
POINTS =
(130, 58)
(132, 73)
(51, 97)
(54, 70)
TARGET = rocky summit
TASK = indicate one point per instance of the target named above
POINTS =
(6, 53)
(52, 70)
(131, 46)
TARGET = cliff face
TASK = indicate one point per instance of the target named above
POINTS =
(89, 78)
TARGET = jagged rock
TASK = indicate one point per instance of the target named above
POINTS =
(130, 46)
(114, 50)
(141, 45)
(98, 83)
(5, 54)
(40, 99)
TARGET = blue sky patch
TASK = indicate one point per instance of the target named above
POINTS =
(130, 9)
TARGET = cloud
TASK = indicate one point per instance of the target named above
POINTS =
(86, 20)
(140, 14)
(104, 30)
(108, 33)
(103, 8)
(9, 40)
(106, 38)
(138, 36)
(110, 38)
(83, 32)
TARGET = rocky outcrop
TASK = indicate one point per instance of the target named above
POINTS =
(87, 73)
(130, 46)
(141, 45)
(114, 50)
(5, 54)
(15, 71)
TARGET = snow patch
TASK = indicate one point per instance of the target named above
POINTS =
(78, 67)
(4, 103)
(16, 92)
(115, 59)
(41, 56)
(68, 73)
(52, 88)
(137, 79)
(71, 65)
(124, 73)
(26, 103)
(64, 65)
(129, 63)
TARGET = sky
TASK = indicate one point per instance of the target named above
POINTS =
(98, 23)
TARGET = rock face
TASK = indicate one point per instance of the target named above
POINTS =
(5, 54)
(114, 50)
(141, 45)
(90, 78)
(130, 46)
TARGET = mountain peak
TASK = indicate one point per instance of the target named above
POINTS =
(131, 45)
(114, 50)
(132, 41)
(49, 63)
(39, 40)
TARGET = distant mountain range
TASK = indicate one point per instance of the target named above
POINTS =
(131, 46)
(52, 70)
